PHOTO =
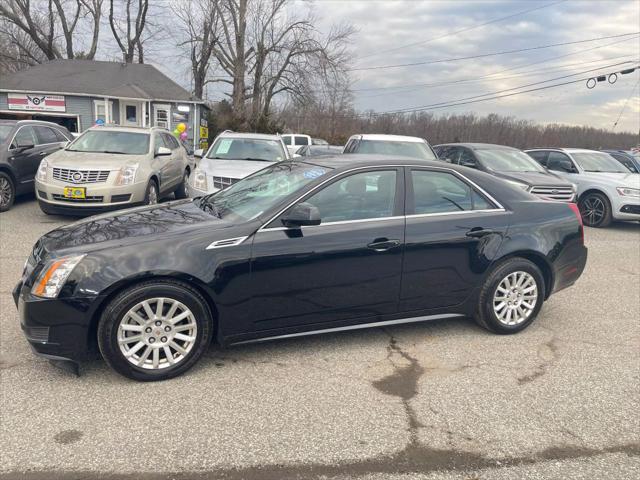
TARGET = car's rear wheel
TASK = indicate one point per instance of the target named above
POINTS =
(181, 191)
(155, 330)
(7, 192)
(511, 296)
(151, 196)
(595, 209)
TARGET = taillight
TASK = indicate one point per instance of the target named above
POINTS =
(576, 210)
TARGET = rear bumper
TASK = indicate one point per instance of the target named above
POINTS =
(568, 273)
(55, 329)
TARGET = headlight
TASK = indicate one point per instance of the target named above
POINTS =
(523, 186)
(54, 275)
(42, 170)
(200, 181)
(628, 192)
(127, 175)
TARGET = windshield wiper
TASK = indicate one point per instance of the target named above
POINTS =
(208, 206)
(113, 151)
(258, 159)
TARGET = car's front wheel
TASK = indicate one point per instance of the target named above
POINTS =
(511, 296)
(155, 330)
(181, 191)
(7, 192)
(595, 209)
(151, 196)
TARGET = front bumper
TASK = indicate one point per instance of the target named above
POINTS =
(57, 329)
(627, 208)
(194, 192)
(100, 196)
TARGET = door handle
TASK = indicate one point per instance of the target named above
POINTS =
(383, 244)
(42, 153)
(479, 232)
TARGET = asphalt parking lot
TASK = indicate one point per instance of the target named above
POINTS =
(439, 400)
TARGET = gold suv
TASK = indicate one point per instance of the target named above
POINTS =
(107, 168)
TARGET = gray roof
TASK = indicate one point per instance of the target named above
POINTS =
(88, 77)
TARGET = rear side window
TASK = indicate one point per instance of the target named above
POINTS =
(170, 142)
(442, 192)
(540, 157)
(46, 135)
(25, 136)
(301, 140)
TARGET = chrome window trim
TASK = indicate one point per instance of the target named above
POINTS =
(460, 212)
(39, 144)
(499, 208)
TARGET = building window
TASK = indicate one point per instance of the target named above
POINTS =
(162, 116)
(99, 112)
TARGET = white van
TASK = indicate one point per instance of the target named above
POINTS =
(294, 141)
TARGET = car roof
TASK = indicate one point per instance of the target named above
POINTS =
(477, 146)
(255, 136)
(351, 160)
(30, 122)
(566, 150)
(117, 128)
(388, 138)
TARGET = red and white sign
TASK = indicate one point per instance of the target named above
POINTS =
(36, 102)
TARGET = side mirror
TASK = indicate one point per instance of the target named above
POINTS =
(567, 166)
(199, 153)
(162, 152)
(303, 214)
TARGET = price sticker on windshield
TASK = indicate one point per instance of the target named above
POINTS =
(224, 147)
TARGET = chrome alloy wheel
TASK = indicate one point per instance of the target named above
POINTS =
(5, 192)
(515, 298)
(593, 210)
(153, 195)
(157, 333)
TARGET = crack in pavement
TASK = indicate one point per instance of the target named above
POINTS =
(548, 353)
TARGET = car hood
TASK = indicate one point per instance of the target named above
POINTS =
(141, 224)
(631, 180)
(534, 178)
(105, 161)
(231, 168)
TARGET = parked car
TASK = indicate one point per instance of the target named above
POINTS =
(297, 248)
(510, 164)
(23, 144)
(629, 159)
(294, 141)
(315, 150)
(319, 141)
(414, 147)
(233, 156)
(108, 168)
(607, 191)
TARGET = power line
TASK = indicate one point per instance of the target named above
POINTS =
(477, 99)
(492, 54)
(495, 20)
(625, 103)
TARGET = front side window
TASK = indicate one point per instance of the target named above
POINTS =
(25, 136)
(286, 139)
(467, 159)
(46, 135)
(106, 141)
(357, 197)
(539, 156)
(442, 192)
(559, 162)
(247, 149)
(504, 160)
(418, 150)
(598, 162)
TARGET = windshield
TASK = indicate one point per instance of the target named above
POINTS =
(261, 191)
(504, 160)
(108, 141)
(598, 162)
(247, 149)
(5, 131)
(387, 147)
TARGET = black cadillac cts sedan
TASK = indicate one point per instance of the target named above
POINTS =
(298, 248)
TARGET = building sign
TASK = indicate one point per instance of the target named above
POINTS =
(36, 102)
(204, 132)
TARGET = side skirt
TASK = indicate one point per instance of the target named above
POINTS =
(386, 323)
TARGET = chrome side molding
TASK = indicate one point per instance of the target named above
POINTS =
(386, 323)
(227, 242)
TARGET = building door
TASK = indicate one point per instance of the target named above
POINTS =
(130, 114)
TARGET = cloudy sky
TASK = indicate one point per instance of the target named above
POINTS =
(392, 32)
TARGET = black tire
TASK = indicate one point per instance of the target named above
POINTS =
(181, 191)
(7, 192)
(116, 311)
(152, 186)
(485, 315)
(595, 210)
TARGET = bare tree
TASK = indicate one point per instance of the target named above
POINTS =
(200, 24)
(128, 26)
(32, 27)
